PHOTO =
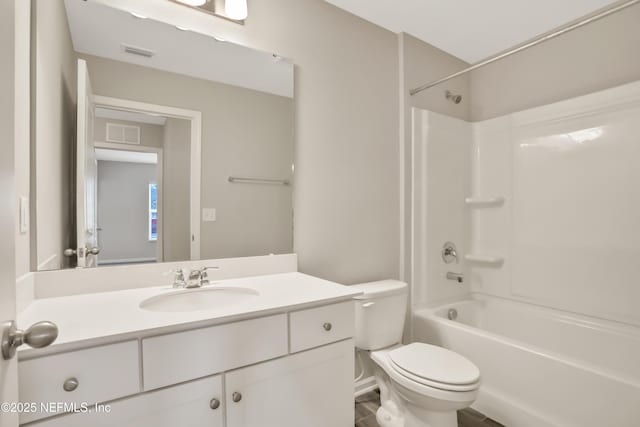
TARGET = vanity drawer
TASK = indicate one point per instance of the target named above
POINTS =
(188, 404)
(321, 325)
(101, 374)
(182, 356)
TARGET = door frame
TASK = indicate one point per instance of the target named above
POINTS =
(193, 116)
(159, 183)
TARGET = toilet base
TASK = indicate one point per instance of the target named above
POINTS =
(404, 407)
(389, 415)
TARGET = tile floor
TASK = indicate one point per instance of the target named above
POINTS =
(367, 405)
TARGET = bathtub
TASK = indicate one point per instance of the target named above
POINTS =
(542, 367)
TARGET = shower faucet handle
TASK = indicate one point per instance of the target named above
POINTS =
(449, 253)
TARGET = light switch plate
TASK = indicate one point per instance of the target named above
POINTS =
(208, 214)
(24, 215)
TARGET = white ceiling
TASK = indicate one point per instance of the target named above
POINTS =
(107, 155)
(101, 31)
(471, 29)
(130, 116)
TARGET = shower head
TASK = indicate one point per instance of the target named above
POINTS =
(456, 99)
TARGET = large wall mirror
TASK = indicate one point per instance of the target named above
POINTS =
(153, 143)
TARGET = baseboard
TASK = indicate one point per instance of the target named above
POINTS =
(365, 385)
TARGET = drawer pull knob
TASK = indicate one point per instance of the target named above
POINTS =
(236, 397)
(214, 403)
(70, 384)
(327, 326)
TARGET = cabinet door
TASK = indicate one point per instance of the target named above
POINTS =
(186, 405)
(312, 389)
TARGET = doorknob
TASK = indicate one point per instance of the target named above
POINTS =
(88, 251)
(39, 335)
(70, 252)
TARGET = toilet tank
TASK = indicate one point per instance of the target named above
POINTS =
(380, 313)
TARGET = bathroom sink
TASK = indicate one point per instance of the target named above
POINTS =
(198, 299)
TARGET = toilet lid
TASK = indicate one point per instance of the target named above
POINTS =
(435, 363)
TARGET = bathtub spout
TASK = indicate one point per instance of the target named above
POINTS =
(458, 277)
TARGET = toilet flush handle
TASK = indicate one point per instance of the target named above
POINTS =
(367, 304)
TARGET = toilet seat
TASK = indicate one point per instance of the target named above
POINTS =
(441, 392)
(435, 367)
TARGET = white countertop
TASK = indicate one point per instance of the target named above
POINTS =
(99, 318)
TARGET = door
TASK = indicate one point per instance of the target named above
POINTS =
(86, 174)
(9, 11)
(312, 389)
(194, 404)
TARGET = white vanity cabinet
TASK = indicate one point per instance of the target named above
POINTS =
(92, 375)
(194, 404)
(284, 370)
(312, 389)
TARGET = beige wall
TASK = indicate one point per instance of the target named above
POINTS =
(55, 91)
(600, 55)
(346, 195)
(176, 190)
(422, 63)
(244, 133)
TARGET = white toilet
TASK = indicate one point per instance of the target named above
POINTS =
(421, 385)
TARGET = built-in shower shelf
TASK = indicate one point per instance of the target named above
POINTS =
(484, 259)
(484, 201)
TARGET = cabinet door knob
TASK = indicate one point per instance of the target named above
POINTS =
(327, 326)
(70, 384)
(214, 403)
(236, 397)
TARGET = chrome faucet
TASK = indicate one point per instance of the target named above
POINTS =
(458, 277)
(178, 278)
(199, 277)
(196, 278)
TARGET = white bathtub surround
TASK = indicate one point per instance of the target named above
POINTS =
(542, 367)
(420, 385)
(441, 172)
(567, 172)
(553, 213)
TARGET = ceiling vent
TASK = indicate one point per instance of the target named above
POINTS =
(138, 51)
(123, 134)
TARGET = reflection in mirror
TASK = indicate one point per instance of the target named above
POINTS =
(154, 144)
(131, 214)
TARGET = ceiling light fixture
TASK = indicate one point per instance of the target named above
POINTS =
(236, 9)
(194, 3)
